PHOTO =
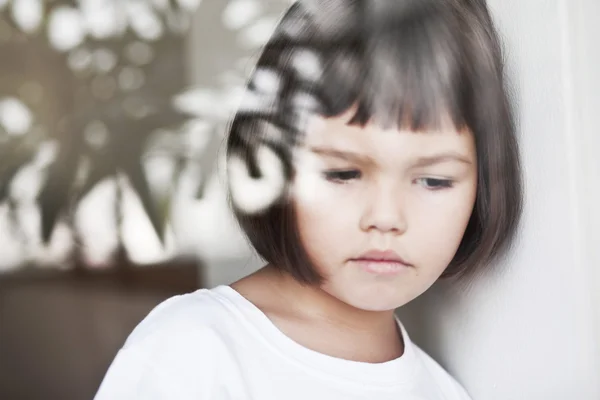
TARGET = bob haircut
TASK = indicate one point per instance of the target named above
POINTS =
(412, 64)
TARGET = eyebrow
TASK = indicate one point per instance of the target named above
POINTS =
(341, 154)
(441, 158)
(418, 163)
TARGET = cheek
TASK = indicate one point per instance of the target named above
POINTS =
(441, 227)
(324, 216)
(325, 221)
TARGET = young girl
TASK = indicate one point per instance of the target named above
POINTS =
(374, 153)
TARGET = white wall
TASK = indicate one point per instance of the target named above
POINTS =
(530, 330)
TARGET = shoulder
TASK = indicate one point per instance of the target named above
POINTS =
(179, 317)
(171, 351)
(187, 329)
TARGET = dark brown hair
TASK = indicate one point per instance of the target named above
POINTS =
(403, 62)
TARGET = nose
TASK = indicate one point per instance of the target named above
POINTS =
(384, 211)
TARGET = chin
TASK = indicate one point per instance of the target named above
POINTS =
(370, 296)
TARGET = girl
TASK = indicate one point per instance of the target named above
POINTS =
(374, 153)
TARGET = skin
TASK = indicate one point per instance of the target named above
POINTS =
(361, 189)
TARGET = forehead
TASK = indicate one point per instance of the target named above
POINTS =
(373, 141)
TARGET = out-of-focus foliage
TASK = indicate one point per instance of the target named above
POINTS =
(96, 78)
(91, 90)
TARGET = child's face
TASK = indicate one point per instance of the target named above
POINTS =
(362, 189)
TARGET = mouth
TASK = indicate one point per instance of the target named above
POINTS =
(379, 262)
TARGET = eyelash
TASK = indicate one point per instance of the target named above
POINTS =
(442, 183)
(344, 176)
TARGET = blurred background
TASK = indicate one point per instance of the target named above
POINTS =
(112, 195)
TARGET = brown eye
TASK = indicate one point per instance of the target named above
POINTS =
(342, 175)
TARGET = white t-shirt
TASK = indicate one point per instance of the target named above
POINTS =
(214, 344)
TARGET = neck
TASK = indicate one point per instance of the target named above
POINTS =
(314, 303)
(360, 335)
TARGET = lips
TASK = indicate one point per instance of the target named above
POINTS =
(382, 263)
(382, 256)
